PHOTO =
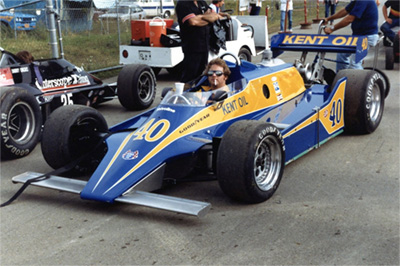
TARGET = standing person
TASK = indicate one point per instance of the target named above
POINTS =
(392, 20)
(255, 7)
(216, 5)
(194, 18)
(363, 17)
(286, 5)
(330, 5)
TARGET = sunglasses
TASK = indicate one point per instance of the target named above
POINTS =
(216, 72)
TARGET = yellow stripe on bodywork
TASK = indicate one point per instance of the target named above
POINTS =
(124, 142)
(323, 114)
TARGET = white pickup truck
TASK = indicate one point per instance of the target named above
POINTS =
(248, 32)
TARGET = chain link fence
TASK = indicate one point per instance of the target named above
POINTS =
(92, 43)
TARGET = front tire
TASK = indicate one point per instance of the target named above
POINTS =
(250, 162)
(21, 123)
(364, 100)
(72, 131)
(136, 87)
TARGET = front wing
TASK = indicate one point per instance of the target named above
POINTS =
(174, 204)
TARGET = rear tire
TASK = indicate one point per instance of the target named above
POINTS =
(364, 100)
(389, 58)
(136, 87)
(250, 161)
(384, 78)
(21, 122)
(70, 132)
(396, 48)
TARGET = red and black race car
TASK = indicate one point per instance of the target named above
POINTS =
(30, 92)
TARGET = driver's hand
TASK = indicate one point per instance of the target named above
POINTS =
(325, 21)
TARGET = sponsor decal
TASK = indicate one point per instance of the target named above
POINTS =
(194, 123)
(298, 39)
(129, 155)
(15, 70)
(271, 130)
(24, 69)
(234, 105)
(166, 109)
(6, 77)
(277, 89)
(62, 83)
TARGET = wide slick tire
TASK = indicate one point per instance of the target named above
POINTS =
(396, 48)
(73, 131)
(389, 58)
(250, 161)
(21, 122)
(364, 100)
(385, 79)
(136, 87)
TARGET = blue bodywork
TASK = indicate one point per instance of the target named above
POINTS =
(173, 131)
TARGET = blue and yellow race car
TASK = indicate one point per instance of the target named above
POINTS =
(274, 113)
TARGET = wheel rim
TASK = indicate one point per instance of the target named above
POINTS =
(243, 56)
(375, 108)
(21, 123)
(267, 163)
(146, 85)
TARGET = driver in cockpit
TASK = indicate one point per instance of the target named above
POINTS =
(217, 72)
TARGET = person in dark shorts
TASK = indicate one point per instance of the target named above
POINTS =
(194, 18)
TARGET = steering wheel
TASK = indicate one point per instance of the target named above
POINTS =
(237, 61)
(178, 97)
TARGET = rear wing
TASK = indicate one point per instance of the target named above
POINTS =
(353, 44)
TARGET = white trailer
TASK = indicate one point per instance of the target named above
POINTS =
(248, 33)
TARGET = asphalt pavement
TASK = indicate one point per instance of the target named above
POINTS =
(338, 205)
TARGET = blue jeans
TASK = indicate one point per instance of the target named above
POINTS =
(386, 28)
(289, 17)
(331, 7)
(347, 60)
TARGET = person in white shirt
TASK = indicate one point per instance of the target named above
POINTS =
(286, 5)
(255, 7)
(216, 5)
